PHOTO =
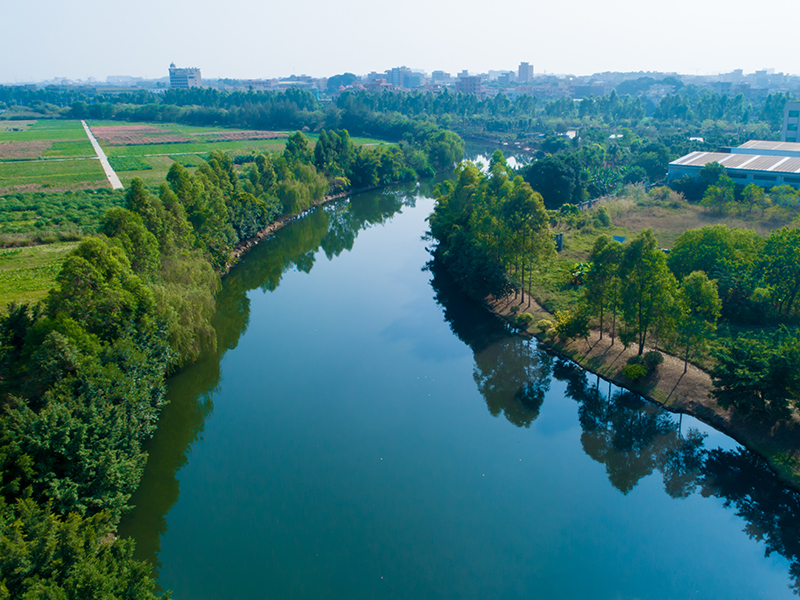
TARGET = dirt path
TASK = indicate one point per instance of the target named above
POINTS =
(689, 393)
(112, 176)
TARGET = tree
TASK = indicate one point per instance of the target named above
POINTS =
(127, 229)
(752, 196)
(525, 216)
(647, 290)
(759, 374)
(715, 249)
(699, 310)
(556, 180)
(602, 281)
(780, 265)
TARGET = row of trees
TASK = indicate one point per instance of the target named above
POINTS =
(493, 237)
(676, 301)
(492, 231)
(634, 281)
(82, 374)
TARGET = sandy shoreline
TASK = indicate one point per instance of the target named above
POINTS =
(689, 393)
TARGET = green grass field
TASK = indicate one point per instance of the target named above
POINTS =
(27, 274)
(41, 130)
(234, 148)
(56, 154)
(64, 174)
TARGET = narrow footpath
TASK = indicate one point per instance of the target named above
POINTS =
(112, 176)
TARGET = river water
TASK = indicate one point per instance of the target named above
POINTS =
(366, 431)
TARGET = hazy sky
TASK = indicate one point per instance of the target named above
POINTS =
(268, 38)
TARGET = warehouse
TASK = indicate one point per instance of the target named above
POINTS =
(764, 163)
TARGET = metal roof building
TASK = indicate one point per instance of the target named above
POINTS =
(761, 162)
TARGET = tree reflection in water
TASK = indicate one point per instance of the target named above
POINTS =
(333, 229)
(632, 437)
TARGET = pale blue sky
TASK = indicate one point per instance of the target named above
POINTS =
(263, 39)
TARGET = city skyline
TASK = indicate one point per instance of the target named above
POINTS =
(246, 40)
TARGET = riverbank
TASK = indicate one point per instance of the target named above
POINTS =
(245, 246)
(678, 392)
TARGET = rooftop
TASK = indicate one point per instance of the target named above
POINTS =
(747, 162)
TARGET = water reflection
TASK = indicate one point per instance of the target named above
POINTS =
(332, 228)
(511, 373)
(633, 438)
(630, 437)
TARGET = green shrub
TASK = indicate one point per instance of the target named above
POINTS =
(603, 218)
(514, 308)
(570, 325)
(634, 372)
(524, 319)
(652, 359)
(544, 324)
(636, 360)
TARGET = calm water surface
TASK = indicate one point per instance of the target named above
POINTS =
(365, 431)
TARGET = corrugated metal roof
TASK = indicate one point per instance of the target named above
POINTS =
(743, 162)
(767, 145)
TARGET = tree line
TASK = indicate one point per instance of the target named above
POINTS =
(82, 374)
(492, 234)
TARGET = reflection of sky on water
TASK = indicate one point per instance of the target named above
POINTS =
(349, 363)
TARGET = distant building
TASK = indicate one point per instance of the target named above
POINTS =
(438, 76)
(183, 79)
(766, 164)
(525, 74)
(791, 119)
(468, 85)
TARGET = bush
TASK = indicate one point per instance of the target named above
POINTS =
(544, 324)
(652, 359)
(636, 360)
(602, 217)
(634, 372)
(571, 325)
(524, 319)
(514, 309)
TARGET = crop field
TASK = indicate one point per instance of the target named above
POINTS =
(26, 274)
(33, 217)
(56, 155)
(52, 175)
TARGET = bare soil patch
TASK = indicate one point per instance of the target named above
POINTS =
(137, 135)
(30, 149)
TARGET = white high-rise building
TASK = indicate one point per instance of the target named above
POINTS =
(184, 78)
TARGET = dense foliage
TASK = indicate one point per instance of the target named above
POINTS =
(37, 216)
(82, 374)
(623, 137)
(492, 231)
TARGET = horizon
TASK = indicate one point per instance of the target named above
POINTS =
(249, 40)
(427, 72)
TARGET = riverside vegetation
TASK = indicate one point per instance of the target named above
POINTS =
(83, 372)
(493, 234)
(133, 304)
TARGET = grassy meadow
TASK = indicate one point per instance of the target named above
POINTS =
(631, 212)
(27, 274)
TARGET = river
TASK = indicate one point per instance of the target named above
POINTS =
(365, 431)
